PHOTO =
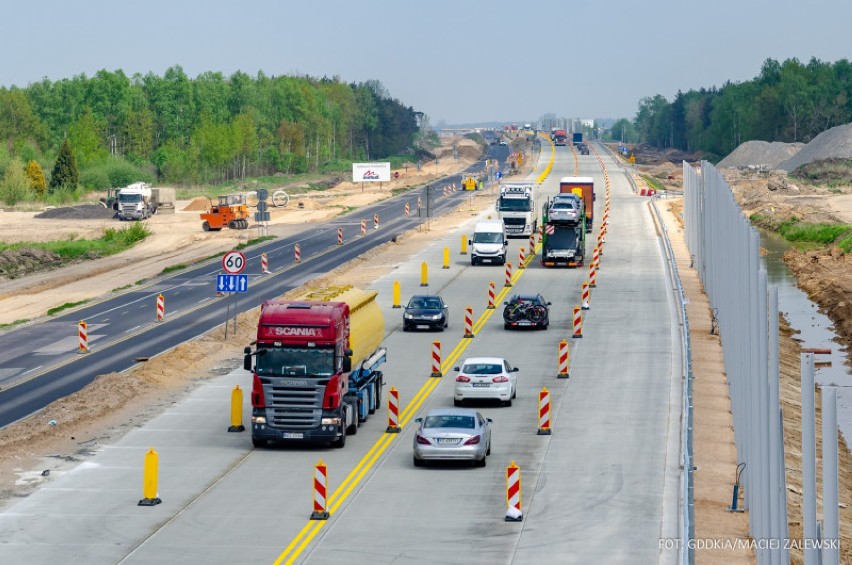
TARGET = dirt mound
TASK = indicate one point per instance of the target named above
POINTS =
(81, 212)
(835, 143)
(760, 153)
(197, 204)
(827, 172)
(16, 263)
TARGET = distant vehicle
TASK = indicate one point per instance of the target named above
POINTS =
(559, 137)
(426, 312)
(564, 210)
(489, 243)
(585, 188)
(486, 378)
(452, 434)
(503, 142)
(516, 207)
(577, 138)
(578, 200)
(526, 311)
(583, 149)
(135, 202)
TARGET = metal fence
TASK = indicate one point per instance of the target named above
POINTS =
(726, 252)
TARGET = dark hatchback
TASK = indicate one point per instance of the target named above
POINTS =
(426, 312)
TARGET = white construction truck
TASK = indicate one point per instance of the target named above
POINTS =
(139, 201)
(516, 207)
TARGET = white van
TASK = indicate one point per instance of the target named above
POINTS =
(489, 243)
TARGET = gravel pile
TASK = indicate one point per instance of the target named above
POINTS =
(81, 212)
(835, 143)
(761, 154)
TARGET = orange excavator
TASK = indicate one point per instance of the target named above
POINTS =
(230, 210)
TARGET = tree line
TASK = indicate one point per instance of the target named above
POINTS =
(203, 130)
(788, 101)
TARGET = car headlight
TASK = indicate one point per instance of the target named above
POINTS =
(409, 316)
(436, 317)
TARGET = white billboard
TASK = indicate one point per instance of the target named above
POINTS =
(371, 172)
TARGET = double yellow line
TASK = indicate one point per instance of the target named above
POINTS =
(307, 533)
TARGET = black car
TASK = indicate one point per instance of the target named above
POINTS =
(426, 312)
(526, 311)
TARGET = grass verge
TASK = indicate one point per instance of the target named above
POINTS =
(65, 306)
(113, 241)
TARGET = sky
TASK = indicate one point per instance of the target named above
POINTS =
(458, 61)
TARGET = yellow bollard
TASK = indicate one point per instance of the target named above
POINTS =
(237, 410)
(424, 274)
(446, 257)
(149, 480)
(464, 245)
(397, 292)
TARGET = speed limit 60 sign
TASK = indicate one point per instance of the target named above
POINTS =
(233, 262)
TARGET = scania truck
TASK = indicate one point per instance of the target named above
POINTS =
(516, 207)
(315, 371)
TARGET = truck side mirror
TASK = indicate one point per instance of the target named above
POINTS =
(247, 358)
(347, 364)
(470, 242)
(505, 242)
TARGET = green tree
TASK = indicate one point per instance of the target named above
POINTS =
(15, 186)
(87, 136)
(65, 175)
(36, 178)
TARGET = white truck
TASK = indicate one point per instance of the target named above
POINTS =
(139, 201)
(516, 207)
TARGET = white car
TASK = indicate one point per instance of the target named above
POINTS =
(486, 378)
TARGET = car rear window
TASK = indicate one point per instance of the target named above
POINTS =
(481, 369)
(448, 421)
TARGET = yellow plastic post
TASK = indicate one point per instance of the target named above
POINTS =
(149, 480)
(424, 274)
(463, 245)
(446, 257)
(237, 410)
(397, 293)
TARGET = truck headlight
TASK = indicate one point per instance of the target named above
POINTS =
(258, 419)
(331, 421)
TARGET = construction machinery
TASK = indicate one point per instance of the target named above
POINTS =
(230, 210)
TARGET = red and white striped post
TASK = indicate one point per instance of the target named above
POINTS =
(513, 493)
(375, 221)
(339, 236)
(446, 192)
(419, 202)
(544, 412)
(264, 263)
(363, 227)
(564, 360)
(297, 253)
(521, 262)
(578, 322)
(320, 492)
(407, 210)
(593, 276)
(508, 275)
(83, 334)
(585, 295)
(532, 243)
(491, 293)
(161, 308)
(393, 412)
(436, 359)
(468, 322)
(596, 255)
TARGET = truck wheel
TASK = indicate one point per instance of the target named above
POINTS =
(258, 442)
(341, 441)
(356, 417)
(205, 226)
(375, 404)
(232, 225)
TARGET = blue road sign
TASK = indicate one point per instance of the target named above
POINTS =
(231, 283)
(498, 174)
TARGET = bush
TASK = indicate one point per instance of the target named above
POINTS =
(15, 186)
(794, 230)
(113, 172)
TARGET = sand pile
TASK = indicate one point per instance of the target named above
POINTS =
(835, 143)
(197, 204)
(760, 153)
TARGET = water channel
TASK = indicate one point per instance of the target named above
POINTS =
(816, 330)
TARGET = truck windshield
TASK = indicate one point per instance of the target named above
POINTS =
(487, 237)
(295, 361)
(562, 239)
(514, 204)
(129, 198)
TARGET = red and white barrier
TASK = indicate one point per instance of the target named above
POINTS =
(320, 492)
(161, 308)
(532, 244)
(593, 276)
(436, 359)
(297, 253)
(407, 210)
(468, 322)
(596, 255)
(363, 227)
(564, 360)
(339, 236)
(585, 295)
(83, 335)
(513, 493)
(508, 275)
(521, 262)
(393, 411)
(544, 412)
(264, 263)
(578, 322)
(446, 191)
(419, 202)
(491, 294)
(375, 221)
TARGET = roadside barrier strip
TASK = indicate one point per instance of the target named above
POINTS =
(312, 527)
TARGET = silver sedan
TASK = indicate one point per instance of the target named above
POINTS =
(452, 434)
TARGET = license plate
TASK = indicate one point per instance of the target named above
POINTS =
(449, 440)
(292, 435)
(422, 327)
(486, 260)
(524, 323)
(480, 384)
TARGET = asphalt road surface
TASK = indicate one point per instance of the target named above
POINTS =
(600, 489)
